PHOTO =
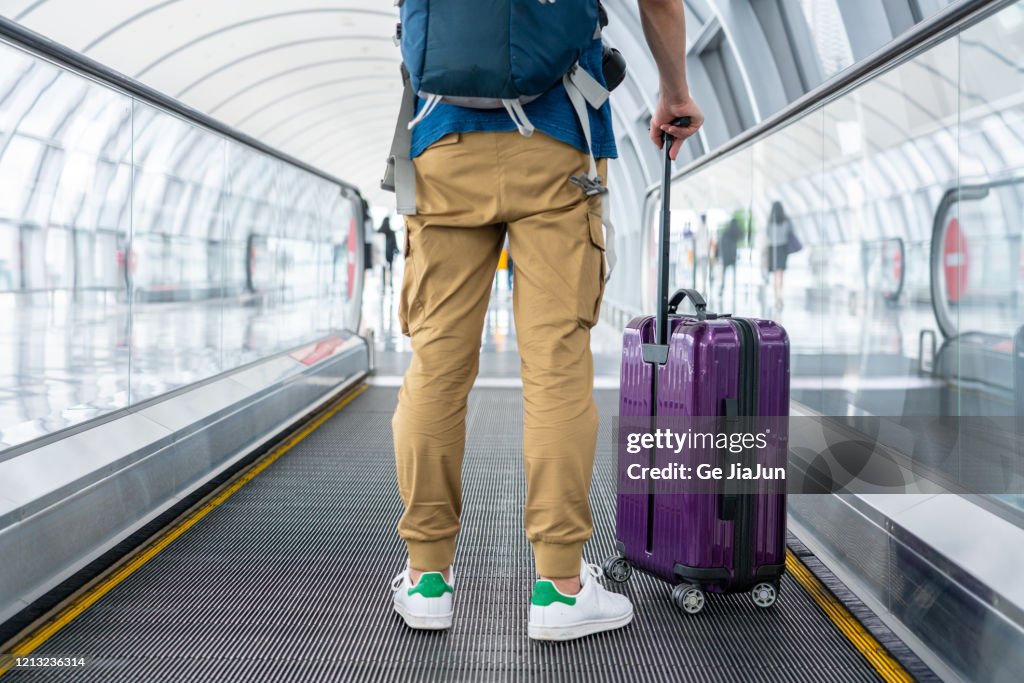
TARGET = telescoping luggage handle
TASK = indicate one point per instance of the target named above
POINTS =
(658, 351)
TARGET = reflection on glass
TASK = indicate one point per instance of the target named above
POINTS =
(978, 253)
(701, 207)
(140, 252)
(834, 235)
(884, 143)
(789, 260)
(898, 267)
(64, 350)
(179, 169)
(905, 296)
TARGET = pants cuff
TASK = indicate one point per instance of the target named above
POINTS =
(431, 556)
(558, 560)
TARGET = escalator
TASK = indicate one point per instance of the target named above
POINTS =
(287, 578)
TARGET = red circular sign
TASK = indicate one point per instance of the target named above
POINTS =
(955, 260)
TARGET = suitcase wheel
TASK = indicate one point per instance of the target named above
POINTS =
(688, 598)
(764, 594)
(618, 569)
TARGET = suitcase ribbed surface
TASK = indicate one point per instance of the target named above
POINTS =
(289, 580)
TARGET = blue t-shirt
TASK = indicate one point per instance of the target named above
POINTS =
(551, 113)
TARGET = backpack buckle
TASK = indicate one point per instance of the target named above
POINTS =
(590, 186)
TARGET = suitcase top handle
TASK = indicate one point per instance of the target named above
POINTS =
(695, 298)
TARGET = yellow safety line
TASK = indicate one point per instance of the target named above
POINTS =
(84, 601)
(879, 658)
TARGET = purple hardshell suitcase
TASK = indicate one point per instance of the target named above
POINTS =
(703, 366)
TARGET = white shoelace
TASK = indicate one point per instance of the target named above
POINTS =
(397, 582)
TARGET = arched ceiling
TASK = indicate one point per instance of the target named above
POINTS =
(318, 79)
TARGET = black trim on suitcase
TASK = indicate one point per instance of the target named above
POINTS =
(743, 527)
(701, 575)
(720, 575)
(652, 456)
(771, 571)
(728, 495)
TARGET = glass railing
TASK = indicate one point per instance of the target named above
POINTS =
(905, 193)
(901, 286)
(141, 250)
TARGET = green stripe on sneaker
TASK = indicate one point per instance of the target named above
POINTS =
(545, 593)
(431, 585)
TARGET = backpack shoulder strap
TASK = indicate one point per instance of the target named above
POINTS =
(584, 89)
(400, 174)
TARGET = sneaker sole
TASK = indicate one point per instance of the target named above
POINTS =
(431, 623)
(573, 631)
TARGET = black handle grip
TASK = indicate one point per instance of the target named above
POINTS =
(698, 302)
(681, 122)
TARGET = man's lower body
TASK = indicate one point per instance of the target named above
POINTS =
(473, 188)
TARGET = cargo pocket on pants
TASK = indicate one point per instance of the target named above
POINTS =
(592, 274)
(407, 299)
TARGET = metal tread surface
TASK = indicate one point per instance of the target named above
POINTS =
(289, 579)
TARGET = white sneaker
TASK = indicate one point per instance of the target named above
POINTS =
(557, 616)
(428, 604)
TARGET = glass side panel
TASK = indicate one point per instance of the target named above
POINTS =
(878, 243)
(981, 271)
(791, 257)
(65, 164)
(904, 298)
(140, 252)
(988, 276)
(250, 332)
(177, 279)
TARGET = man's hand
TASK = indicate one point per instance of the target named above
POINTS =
(665, 113)
(664, 25)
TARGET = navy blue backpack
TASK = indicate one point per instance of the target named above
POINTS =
(491, 54)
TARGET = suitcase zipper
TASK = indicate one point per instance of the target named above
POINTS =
(743, 526)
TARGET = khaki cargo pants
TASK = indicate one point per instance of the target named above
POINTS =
(471, 189)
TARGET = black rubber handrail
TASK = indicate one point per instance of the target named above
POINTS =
(18, 35)
(921, 37)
